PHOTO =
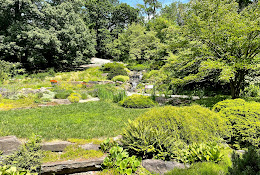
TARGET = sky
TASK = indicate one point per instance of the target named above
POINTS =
(164, 2)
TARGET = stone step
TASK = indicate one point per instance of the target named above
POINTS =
(70, 167)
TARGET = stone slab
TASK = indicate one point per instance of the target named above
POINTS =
(69, 167)
(57, 146)
(9, 144)
(90, 146)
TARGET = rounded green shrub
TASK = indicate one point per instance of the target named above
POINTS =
(228, 103)
(163, 132)
(138, 101)
(114, 69)
(63, 94)
(74, 97)
(121, 78)
(243, 123)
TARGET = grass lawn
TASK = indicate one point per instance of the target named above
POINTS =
(86, 120)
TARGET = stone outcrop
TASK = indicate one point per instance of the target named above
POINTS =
(58, 146)
(160, 166)
(90, 146)
(69, 167)
(9, 144)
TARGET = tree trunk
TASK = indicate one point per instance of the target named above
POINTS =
(237, 83)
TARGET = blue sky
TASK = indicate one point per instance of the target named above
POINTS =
(164, 2)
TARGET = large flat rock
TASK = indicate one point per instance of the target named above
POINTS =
(160, 166)
(68, 167)
(9, 144)
(57, 146)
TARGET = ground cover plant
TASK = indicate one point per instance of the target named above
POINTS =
(72, 152)
(87, 120)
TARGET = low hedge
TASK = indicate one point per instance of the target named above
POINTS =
(163, 132)
(138, 101)
(243, 122)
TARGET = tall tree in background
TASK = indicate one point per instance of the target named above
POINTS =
(108, 18)
(41, 34)
(150, 8)
(228, 41)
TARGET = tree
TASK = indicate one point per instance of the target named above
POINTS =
(229, 41)
(108, 18)
(136, 44)
(150, 8)
(41, 34)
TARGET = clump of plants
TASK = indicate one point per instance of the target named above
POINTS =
(114, 69)
(121, 78)
(120, 160)
(74, 97)
(247, 164)
(203, 152)
(63, 94)
(163, 132)
(28, 157)
(138, 101)
(243, 120)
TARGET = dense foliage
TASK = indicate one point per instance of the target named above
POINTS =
(138, 101)
(247, 164)
(243, 121)
(163, 132)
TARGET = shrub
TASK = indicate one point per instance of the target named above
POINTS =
(63, 94)
(252, 91)
(138, 67)
(74, 97)
(12, 170)
(248, 164)
(243, 122)
(28, 157)
(121, 78)
(84, 96)
(110, 66)
(138, 101)
(107, 145)
(163, 132)
(119, 159)
(114, 69)
(227, 104)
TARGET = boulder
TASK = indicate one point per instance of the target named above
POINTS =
(160, 166)
(68, 167)
(90, 146)
(57, 146)
(61, 101)
(9, 144)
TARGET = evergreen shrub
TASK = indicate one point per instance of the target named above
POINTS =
(121, 78)
(138, 101)
(163, 132)
(247, 164)
(114, 69)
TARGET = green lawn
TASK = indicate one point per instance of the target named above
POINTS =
(87, 120)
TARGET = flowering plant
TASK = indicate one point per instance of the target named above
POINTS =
(53, 81)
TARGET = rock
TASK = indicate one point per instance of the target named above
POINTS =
(90, 146)
(87, 100)
(9, 144)
(68, 167)
(160, 166)
(240, 151)
(61, 101)
(57, 146)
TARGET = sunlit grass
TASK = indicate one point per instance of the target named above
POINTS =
(85, 121)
